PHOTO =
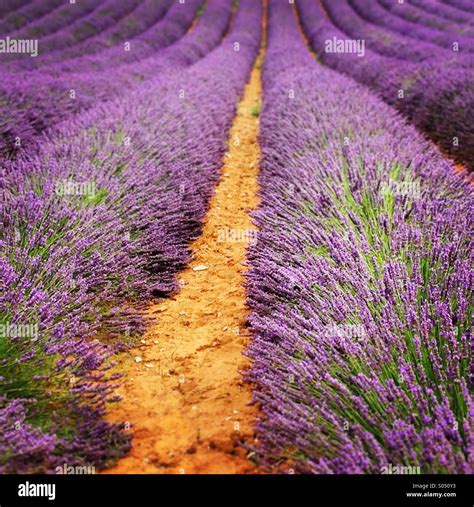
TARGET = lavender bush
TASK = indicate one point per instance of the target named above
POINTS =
(29, 12)
(143, 17)
(400, 19)
(391, 36)
(11, 5)
(415, 14)
(437, 95)
(59, 94)
(464, 5)
(58, 19)
(360, 282)
(171, 23)
(443, 11)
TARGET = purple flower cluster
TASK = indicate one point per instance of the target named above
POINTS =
(432, 18)
(58, 19)
(58, 93)
(464, 5)
(436, 94)
(360, 283)
(144, 16)
(97, 220)
(11, 5)
(399, 19)
(19, 438)
(157, 24)
(26, 14)
(442, 12)
(102, 17)
(389, 35)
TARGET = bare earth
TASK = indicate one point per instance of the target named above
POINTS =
(185, 399)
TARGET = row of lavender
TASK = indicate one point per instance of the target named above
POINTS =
(435, 14)
(104, 29)
(58, 93)
(68, 18)
(389, 35)
(430, 83)
(464, 5)
(443, 10)
(18, 18)
(11, 5)
(431, 14)
(361, 280)
(95, 222)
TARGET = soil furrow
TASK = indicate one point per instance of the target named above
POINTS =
(183, 391)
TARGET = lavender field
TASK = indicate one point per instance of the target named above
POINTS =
(236, 236)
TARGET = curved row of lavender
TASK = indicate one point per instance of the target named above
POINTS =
(62, 94)
(8, 6)
(413, 15)
(443, 11)
(434, 14)
(104, 16)
(89, 37)
(437, 95)
(26, 14)
(74, 22)
(58, 19)
(400, 20)
(360, 282)
(79, 263)
(404, 19)
(464, 5)
(396, 39)
(393, 37)
(144, 16)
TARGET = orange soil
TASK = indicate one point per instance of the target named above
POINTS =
(185, 399)
(459, 168)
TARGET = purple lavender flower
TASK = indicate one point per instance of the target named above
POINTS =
(360, 282)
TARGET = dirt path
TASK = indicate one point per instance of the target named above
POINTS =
(183, 394)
